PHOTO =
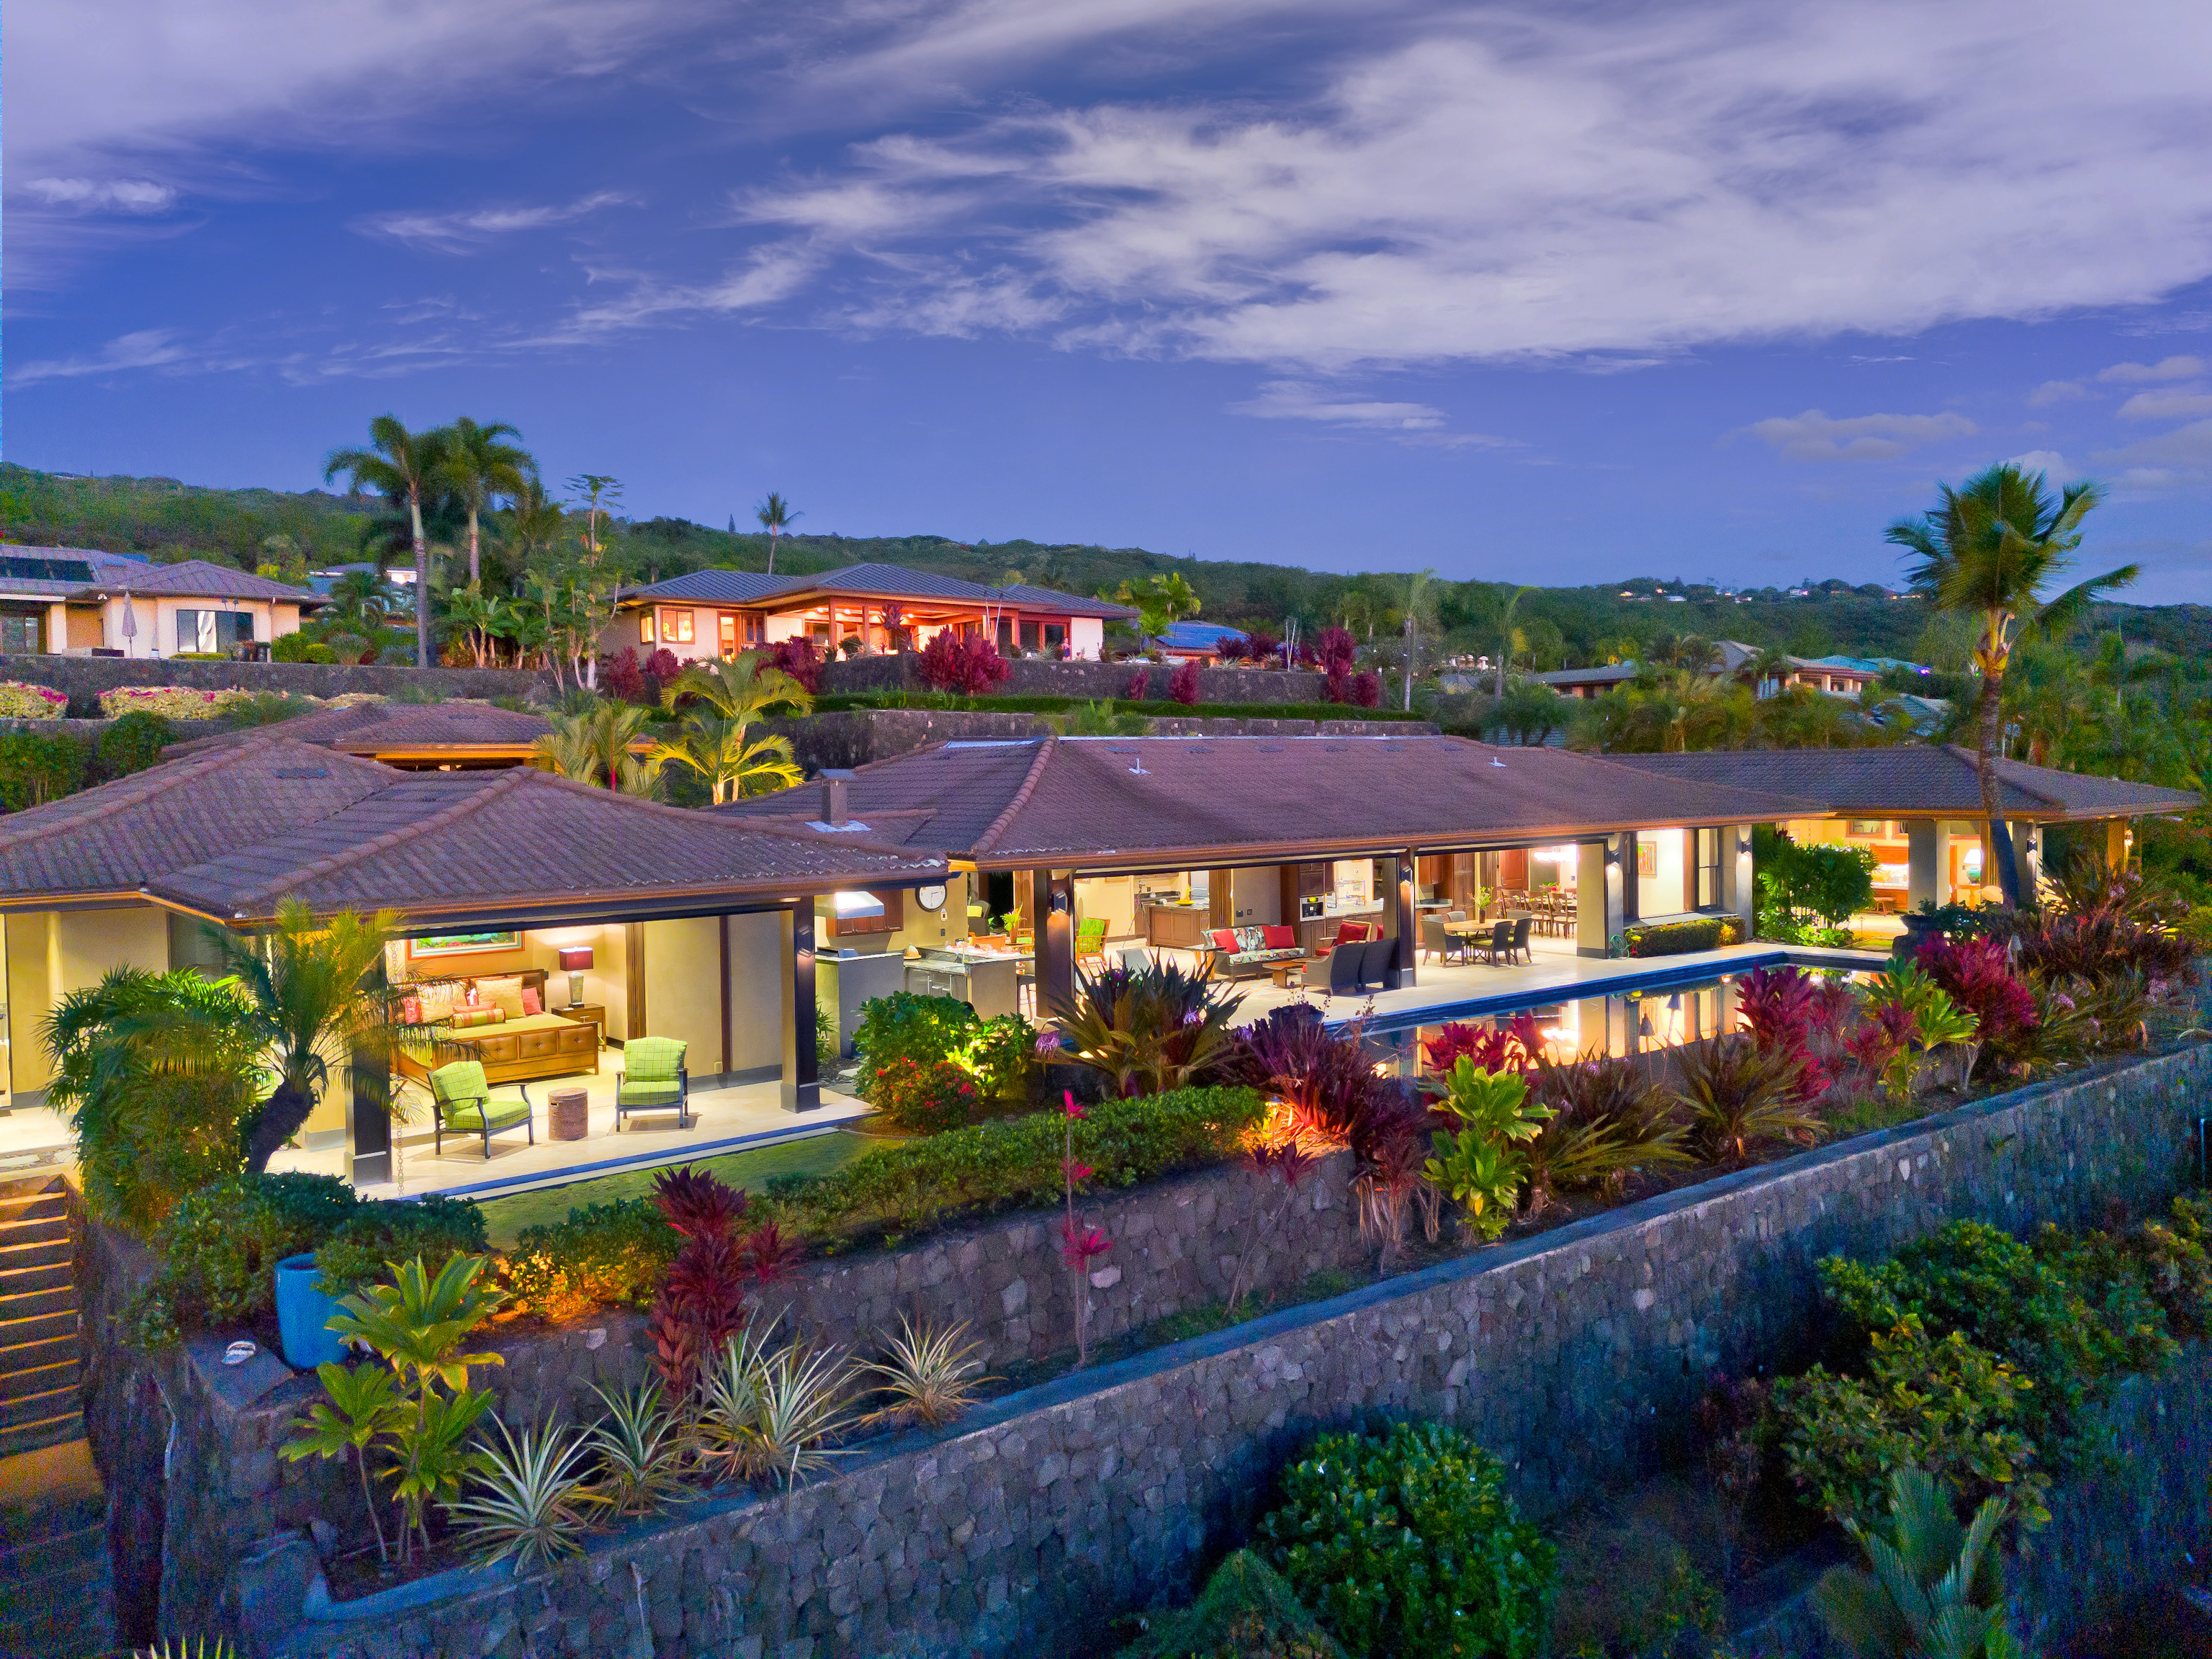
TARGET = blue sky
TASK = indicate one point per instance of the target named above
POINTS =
(1549, 293)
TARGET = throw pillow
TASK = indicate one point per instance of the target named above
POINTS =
(410, 1010)
(465, 1017)
(1280, 939)
(437, 1000)
(1224, 938)
(504, 992)
(530, 1001)
(1251, 939)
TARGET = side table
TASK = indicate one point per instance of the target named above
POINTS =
(585, 1014)
(570, 1114)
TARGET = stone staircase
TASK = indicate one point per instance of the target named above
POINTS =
(56, 1599)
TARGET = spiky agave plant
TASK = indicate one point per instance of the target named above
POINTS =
(1739, 1096)
(531, 1500)
(642, 1448)
(929, 1374)
(766, 1414)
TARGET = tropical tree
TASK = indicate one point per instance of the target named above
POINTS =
(1990, 550)
(477, 615)
(1162, 600)
(714, 744)
(602, 494)
(1506, 635)
(314, 998)
(601, 747)
(400, 465)
(480, 465)
(361, 603)
(535, 521)
(776, 516)
(1420, 605)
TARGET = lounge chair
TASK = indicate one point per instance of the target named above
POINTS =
(653, 1079)
(1382, 955)
(1346, 963)
(466, 1104)
(1091, 942)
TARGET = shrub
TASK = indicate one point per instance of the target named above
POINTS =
(296, 647)
(22, 701)
(1014, 1163)
(176, 702)
(1327, 1081)
(1407, 1544)
(923, 1098)
(1609, 1117)
(1976, 974)
(2177, 1267)
(1781, 1010)
(134, 743)
(1941, 1404)
(1512, 1047)
(1246, 1611)
(1183, 685)
(965, 663)
(433, 1228)
(1146, 1030)
(218, 1249)
(902, 1026)
(795, 658)
(1828, 879)
(1480, 1166)
(1365, 691)
(1739, 1097)
(623, 676)
(37, 767)
(1674, 938)
(602, 1255)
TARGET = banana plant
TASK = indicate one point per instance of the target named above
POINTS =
(359, 1407)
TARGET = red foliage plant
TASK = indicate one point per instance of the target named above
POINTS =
(622, 676)
(1513, 1047)
(661, 670)
(1182, 685)
(701, 1302)
(1366, 690)
(1327, 1081)
(966, 662)
(1334, 652)
(1978, 973)
(1232, 647)
(1140, 686)
(1781, 1009)
(795, 658)
(1260, 645)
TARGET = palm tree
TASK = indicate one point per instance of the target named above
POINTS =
(1990, 550)
(776, 516)
(478, 466)
(1767, 666)
(534, 522)
(360, 601)
(715, 747)
(468, 609)
(599, 747)
(313, 999)
(1505, 637)
(400, 465)
(1419, 600)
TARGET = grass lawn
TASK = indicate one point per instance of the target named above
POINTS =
(505, 1218)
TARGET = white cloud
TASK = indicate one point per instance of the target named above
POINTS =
(110, 195)
(2169, 369)
(1817, 437)
(1408, 422)
(474, 228)
(150, 347)
(2173, 403)
(2056, 391)
(2045, 460)
(2175, 459)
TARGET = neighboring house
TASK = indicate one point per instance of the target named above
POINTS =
(1195, 641)
(80, 602)
(1838, 677)
(720, 613)
(460, 735)
(1586, 683)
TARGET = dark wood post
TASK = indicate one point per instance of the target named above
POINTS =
(1053, 904)
(1400, 973)
(369, 1086)
(802, 1083)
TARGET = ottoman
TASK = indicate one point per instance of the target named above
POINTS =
(567, 1109)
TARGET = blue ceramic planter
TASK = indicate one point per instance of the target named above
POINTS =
(303, 1313)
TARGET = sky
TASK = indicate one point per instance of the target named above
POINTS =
(1542, 292)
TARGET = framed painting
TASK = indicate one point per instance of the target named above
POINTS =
(1647, 858)
(461, 945)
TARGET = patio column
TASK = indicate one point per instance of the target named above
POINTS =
(1053, 907)
(802, 1084)
(1739, 892)
(2027, 857)
(369, 1115)
(1399, 974)
(1600, 894)
(2116, 840)
(1923, 868)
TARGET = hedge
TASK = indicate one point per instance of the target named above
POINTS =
(1674, 938)
(1026, 703)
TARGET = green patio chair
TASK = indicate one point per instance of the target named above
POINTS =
(466, 1104)
(652, 1080)
(1090, 940)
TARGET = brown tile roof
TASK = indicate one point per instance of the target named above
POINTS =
(1914, 780)
(1128, 801)
(202, 579)
(110, 840)
(383, 728)
(521, 844)
(888, 581)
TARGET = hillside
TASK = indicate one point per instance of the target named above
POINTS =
(1558, 626)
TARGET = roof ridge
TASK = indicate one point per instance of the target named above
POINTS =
(1971, 759)
(1000, 825)
(504, 783)
(189, 768)
(694, 815)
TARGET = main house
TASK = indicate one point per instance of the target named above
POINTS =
(77, 601)
(881, 607)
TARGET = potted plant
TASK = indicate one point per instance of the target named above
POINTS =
(304, 1308)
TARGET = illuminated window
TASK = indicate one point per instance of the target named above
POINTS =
(645, 627)
(676, 628)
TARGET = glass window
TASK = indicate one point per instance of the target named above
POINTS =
(647, 633)
(676, 628)
(214, 631)
(23, 631)
(1709, 870)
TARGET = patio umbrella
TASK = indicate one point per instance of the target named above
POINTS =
(129, 622)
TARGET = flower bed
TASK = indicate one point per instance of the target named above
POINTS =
(1675, 938)
(176, 702)
(22, 701)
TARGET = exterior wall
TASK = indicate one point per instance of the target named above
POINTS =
(29, 991)
(1085, 636)
(1662, 894)
(683, 988)
(755, 994)
(51, 953)
(1576, 1355)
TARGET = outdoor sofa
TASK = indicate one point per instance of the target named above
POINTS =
(1245, 952)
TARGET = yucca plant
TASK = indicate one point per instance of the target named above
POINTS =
(766, 1415)
(202, 1648)
(531, 1500)
(1740, 1096)
(1936, 1590)
(929, 1374)
(642, 1448)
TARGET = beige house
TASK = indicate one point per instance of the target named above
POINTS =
(81, 602)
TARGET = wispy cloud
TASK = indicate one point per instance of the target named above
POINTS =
(2169, 369)
(2176, 460)
(472, 229)
(2171, 403)
(151, 348)
(104, 195)
(1406, 423)
(2052, 392)
(1816, 436)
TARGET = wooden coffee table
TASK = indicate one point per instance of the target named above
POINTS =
(1280, 972)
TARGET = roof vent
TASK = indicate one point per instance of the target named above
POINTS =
(833, 781)
(300, 772)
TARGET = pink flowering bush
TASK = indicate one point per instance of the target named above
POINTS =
(20, 700)
(925, 1099)
(175, 703)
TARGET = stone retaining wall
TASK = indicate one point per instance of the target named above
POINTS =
(1571, 1355)
(1039, 676)
(854, 736)
(85, 677)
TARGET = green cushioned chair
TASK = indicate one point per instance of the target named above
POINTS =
(468, 1105)
(652, 1080)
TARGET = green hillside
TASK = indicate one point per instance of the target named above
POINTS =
(1559, 627)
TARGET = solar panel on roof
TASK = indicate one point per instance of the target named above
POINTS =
(22, 568)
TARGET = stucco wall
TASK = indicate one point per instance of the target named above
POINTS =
(683, 988)
(53, 952)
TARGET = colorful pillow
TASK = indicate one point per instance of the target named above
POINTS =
(531, 1003)
(1351, 933)
(1249, 939)
(1279, 938)
(410, 1010)
(504, 994)
(1224, 938)
(464, 1017)
(437, 1001)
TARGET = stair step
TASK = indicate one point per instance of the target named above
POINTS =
(36, 1304)
(37, 1407)
(51, 1432)
(35, 1207)
(25, 1357)
(62, 1373)
(20, 1279)
(37, 1329)
(16, 1251)
(60, 1553)
(43, 1230)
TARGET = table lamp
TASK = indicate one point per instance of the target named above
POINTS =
(574, 959)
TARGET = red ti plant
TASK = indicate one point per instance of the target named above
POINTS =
(795, 658)
(1140, 686)
(1514, 1047)
(1182, 685)
(702, 1303)
(1978, 973)
(1078, 1244)
(966, 662)
(1275, 1155)
(1781, 1008)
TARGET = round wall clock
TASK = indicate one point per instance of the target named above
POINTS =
(931, 897)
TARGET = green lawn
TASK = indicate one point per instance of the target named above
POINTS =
(505, 1218)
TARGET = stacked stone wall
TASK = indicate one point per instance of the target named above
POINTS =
(85, 677)
(854, 736)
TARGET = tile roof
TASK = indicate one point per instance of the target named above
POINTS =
(385, 727)
(888, 580)
(1129, 801)
(521, 841)
(1913, 778)
(112, 839)
(200, 579)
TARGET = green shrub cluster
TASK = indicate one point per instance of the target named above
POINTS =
(1674, 938)
(219, 1246)
(929, 1031)
(1981, 1358)
(1406, 1543)
(377, 1235)
(602, 1255)
(1245, 1612)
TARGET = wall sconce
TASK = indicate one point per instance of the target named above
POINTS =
(1062, 901)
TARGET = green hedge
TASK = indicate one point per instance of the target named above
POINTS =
(834, 702)
(1674, 938)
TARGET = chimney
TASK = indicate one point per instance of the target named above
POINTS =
(833, 794)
